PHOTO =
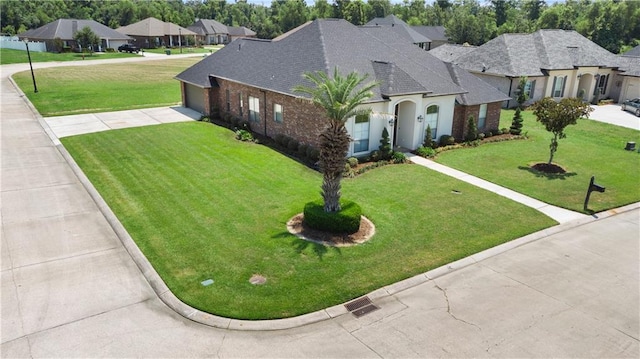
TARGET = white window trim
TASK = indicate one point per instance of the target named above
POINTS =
(254, 109)
(276, 112)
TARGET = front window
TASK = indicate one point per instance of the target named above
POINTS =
(482, 116)
(529, 88)
(254, 109)
(432, 120)
(277, 112)
(558, 86)
(361, 134)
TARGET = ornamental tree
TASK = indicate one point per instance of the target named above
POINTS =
(556, 116)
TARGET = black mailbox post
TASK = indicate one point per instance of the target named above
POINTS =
(592, 187)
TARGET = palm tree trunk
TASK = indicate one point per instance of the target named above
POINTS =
(334, 145)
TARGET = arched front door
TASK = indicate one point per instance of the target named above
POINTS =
(404, 128)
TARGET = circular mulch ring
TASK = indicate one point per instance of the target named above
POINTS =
(548, 168)
(297, 227)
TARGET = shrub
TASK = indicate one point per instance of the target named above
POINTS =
(352, 162)
(204, 119)
(375, 156)
(504, 130)
(385, 145)
(516, 124)
(313, 154)
(347, 220)
(399, 157)
(244, 135)
(481, 136)
(472, 129)
(488, 134)
(428, 138)
(446, 140)
(110, 49)
(280, 140)
(426, 152)
(292, 146)
(348, 171)
(302, 150)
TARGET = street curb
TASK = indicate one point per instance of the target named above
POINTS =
(188, 312)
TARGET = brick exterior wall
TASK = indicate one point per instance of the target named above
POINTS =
(461, 115)
(301, 119)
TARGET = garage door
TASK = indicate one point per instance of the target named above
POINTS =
(194, 97)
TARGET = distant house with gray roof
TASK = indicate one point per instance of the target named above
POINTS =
(401, 29)
(450, 52)
(66, 29)
(627, 80)
(212, 32)
(152, 33)
(437, 35)
(557, 63)
(252, 79)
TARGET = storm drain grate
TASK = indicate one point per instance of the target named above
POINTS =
(361, 306)
(364, 310)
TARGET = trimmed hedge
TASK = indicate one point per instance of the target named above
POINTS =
(345, 221)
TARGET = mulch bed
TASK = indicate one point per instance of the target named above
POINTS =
(548, 168)
(297, 227)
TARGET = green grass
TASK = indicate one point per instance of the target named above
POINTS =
(202, 205)
(11, 56)
(591, 148)
(101, 88)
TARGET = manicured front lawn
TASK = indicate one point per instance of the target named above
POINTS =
(101, 88)
(11, 56)
(202, 205)
(591, 148)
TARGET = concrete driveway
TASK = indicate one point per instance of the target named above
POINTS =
(614, 115)
(71, 289)
(63, 126)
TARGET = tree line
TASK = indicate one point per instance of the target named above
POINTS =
(612, 24)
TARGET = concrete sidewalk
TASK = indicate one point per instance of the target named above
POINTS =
(560, 215)
(71, 289)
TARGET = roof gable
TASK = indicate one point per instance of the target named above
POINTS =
(153, 27)
(530, 54)
(66, 29)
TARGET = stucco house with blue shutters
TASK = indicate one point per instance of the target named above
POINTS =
(557, 63)
(253, 79)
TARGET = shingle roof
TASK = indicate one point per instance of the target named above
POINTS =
(450, 52)
(240, 31)
(153, 27)
(208, 27)
(64, 29)
(392, 23)
(529, 54)
(633, 52)
(278, 65)
(479, 92)
(435, 33)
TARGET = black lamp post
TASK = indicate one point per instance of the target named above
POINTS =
(180, 39)
(33, 77)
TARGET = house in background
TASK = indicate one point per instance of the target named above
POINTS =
(212, 32)
(151, 33)
(437, 34)
(66, 29)
(557, 63)
(450, 52)
(253, 79)
(401, 29)
(626, 82)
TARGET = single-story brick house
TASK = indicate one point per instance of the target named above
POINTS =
(557, 63)
(253, 79)
(151, 33)
(212, 32)
(66, 29)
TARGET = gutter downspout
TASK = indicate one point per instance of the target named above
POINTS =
(264, 97)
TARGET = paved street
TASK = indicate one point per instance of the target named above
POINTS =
(71, 289)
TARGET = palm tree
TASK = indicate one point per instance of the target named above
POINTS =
(339, 97)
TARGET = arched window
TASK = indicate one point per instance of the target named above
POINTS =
(432, 120)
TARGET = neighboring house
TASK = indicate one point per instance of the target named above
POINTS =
(557, 63)
(65, 30)
(437, 34)
(151, 33)
(626, 82)
(253, 79)
(212, 32)
(401, 29)
(426, 37)
(450, 52)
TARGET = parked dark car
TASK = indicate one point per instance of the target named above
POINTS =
(128, 48)
(632, 106)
